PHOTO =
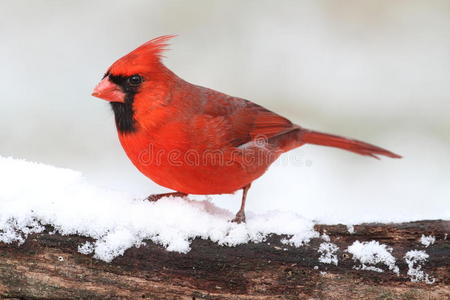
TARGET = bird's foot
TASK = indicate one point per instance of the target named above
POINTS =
(239, 218)
(156, 197)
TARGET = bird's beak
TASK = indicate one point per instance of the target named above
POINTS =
(108, 91)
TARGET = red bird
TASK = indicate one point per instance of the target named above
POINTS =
(195, 140)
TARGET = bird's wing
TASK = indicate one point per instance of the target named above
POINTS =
(230, 121)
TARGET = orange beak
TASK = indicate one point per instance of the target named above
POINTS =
(108, 91)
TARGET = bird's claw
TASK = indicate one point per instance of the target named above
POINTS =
(154, 198)
(239, 218)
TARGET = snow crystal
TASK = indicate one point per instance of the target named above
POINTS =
(17, 229)
(351, 229)
(372, 253)
(301, 238)
(427, 240)
(86, 248)
(325, 237)
(415, 259)
(328, 253)
(34, 195)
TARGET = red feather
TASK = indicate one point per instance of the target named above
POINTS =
(145, 58)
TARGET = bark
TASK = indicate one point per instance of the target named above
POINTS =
(48, 266)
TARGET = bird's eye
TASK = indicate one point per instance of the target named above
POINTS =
(135, 80)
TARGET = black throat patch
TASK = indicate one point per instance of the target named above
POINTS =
(124, 115)
(123, 112)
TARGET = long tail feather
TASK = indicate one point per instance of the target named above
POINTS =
(330, 140)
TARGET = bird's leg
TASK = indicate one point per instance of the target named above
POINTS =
(156, 197)
(240, 216)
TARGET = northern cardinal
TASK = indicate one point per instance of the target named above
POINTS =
(195, 140)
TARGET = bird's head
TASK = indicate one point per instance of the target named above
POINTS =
(133, 72)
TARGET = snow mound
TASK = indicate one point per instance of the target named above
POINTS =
(33, 195)
(415, 260)
(328, 253)
(372, 253)
(427, 240)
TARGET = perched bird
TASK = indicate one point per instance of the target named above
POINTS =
(195, 140)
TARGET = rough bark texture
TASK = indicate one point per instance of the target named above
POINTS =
(48, 266)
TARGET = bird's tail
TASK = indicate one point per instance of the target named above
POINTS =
(324, 139)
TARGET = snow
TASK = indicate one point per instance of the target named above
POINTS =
(415, 260)
(328, 253)
(86, 248)
(372, 253)
(427, 240)
(325, 237)
(33, 195)
(351, 229)
(301, 238)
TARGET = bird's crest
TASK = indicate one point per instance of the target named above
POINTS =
(142, 59)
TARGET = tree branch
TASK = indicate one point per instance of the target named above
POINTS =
(48, 266)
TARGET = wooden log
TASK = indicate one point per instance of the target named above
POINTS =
(48, 266)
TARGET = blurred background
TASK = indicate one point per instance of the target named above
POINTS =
(378, 71)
